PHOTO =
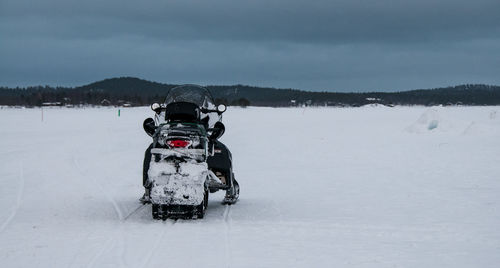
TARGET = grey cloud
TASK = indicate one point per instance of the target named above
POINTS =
(320, 45)
(297, 21)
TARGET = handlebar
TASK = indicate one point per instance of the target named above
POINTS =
(206, 111)
(219, 110)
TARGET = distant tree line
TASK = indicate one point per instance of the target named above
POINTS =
(137, 92)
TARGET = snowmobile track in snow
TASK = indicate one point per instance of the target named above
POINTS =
(102, 190)
(226, 215)
(133, 212)
(107, 246)
(116, 238)
(154, 247)
(227, 228)
(18, 200)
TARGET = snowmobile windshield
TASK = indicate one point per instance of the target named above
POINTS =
(193, 94)
(197, 95)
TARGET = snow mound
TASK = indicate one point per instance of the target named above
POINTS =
(484, 127)
(429, 121)
(475, 128)
(493, 115)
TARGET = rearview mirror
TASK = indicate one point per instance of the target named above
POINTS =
(218, 130)
(156, 107)
(149, 126)
(221, 108)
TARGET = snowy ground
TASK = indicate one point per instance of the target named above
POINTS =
(320, 187)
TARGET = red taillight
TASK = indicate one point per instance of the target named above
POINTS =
(178, 143)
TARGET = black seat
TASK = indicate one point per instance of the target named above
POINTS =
(182, 111)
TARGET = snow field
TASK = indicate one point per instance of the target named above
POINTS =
(320, 187)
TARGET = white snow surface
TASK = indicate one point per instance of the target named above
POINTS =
(320, 187)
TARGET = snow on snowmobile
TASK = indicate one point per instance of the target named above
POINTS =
(186, 162)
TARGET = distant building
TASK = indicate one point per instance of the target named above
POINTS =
(124, 103)
(105, 102)
(57, 103)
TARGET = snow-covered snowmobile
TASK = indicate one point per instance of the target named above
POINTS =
(186, 162)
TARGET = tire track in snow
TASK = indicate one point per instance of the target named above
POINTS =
(101, 189)
(107, 246)
(151, 252)
(227, 217)
(121, 237)
(18, 199)
(80, 247)
(227, 227)
(122, 252)
(117, 238)
(12, 151)
(137, 209)
(121, 242)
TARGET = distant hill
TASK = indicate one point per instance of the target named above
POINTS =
(137, 92)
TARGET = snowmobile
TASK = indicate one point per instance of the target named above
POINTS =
(186, 161)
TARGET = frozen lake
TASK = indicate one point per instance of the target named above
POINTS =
(320, 187)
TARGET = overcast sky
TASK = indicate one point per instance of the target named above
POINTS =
(346, 45)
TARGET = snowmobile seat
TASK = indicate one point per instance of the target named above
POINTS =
(182, 111)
